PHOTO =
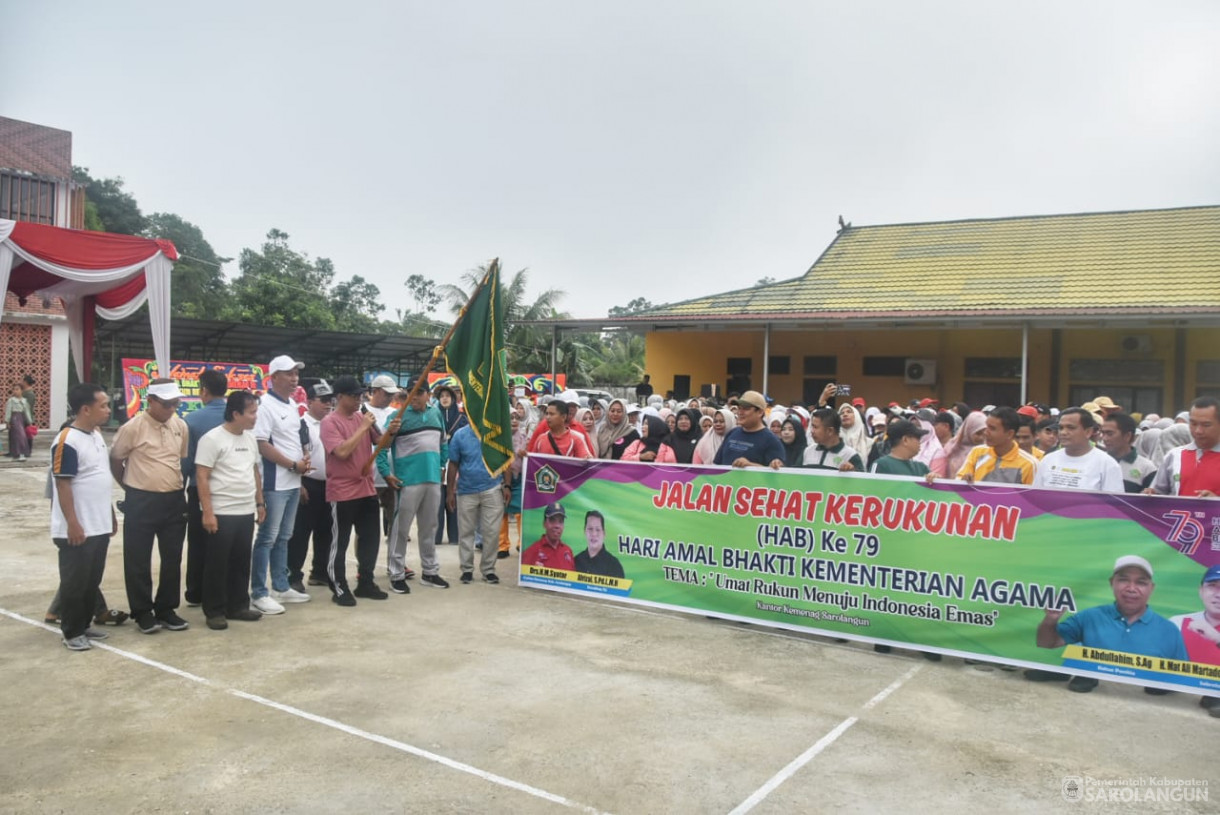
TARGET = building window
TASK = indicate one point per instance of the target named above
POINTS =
(821, 366)
(1135, 384)
(778, 366)
(23, 198)
(1207, 378)
(993, 367)
(740, 366)
(885, 366)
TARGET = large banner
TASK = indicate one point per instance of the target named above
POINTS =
(137, 373)
(967, 570)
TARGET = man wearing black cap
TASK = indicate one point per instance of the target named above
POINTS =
(348, 436)
(904, 439)
(550, 551)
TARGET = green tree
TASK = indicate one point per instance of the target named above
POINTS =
(113, 208)
(634, 307)
(424, 292)
(199, 288)
(355, 305)
(281, 286)
(621, 361)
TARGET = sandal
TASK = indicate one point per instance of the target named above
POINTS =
(111, 617)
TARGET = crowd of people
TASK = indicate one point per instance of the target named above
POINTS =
(251, 485)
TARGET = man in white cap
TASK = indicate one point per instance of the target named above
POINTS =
(146, 459)
(1127, 625)
(279, 432)
(751, 444)
(382, 391)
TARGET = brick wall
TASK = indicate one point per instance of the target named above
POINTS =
(25, 348)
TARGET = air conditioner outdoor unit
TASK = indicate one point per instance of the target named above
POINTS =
(920, 372)
(1137, 344)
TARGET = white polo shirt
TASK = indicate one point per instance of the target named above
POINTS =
(82, 458)
(279, 422)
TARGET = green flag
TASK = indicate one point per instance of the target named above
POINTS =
(475, 356)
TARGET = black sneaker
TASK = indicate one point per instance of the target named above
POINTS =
(246, 615)
(217, 622)
(172, 621)
(400, 586)
(344, 599)
(467, 577)
(1209, 702)
(504, 554)
(147, 623)
(370, 591)
(491, 578)
(297, 585)
(434, 580)
(1082, 684)
(314, 580)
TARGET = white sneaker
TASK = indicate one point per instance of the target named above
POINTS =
(267, 605)
(291, 596)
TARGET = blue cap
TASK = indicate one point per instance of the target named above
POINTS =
(555, 509)
(1212, 574)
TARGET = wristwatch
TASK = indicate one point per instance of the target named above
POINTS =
(293, 468)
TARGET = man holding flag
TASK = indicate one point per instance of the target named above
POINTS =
(474, 354)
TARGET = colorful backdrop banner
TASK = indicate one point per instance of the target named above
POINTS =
(951, 568)
(137, 373)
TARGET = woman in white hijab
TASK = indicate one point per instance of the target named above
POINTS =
(705, 450)
(854, 433)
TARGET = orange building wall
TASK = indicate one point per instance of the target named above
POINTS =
(703, 355)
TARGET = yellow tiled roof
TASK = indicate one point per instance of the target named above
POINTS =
(1141, 262)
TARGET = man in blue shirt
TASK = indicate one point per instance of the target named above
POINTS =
(479, 499)
(1126, 625)
(751, 444)
(213, 386)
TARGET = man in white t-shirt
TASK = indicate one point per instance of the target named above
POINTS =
(82, 519)
(1077, 464)
(230, 500)
(284, 461)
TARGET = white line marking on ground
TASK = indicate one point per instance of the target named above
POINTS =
(822, 743)
(324, 721)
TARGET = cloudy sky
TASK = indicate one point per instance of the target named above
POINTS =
(631, 149)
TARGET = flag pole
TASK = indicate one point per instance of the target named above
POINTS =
(385, 440)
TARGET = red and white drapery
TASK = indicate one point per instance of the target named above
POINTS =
(95, 273)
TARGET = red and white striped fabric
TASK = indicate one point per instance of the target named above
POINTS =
(94, 273)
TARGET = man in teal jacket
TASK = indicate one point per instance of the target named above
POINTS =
(412, 464)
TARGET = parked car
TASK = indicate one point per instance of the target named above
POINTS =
(586, 394)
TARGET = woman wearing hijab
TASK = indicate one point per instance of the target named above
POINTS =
(669, 417)
(1174, 436)
(613, 429)
(792, 437)
(585, 417)
(1148, 445)
(854, 433)
(685, 435)
(709, 444)
(652, 447)
(968, 436)
(705, 424)
(599, 412)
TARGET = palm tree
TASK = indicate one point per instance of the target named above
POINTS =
(529, 347)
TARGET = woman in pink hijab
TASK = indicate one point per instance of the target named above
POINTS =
(968, 436)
